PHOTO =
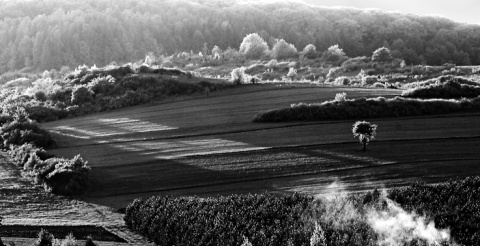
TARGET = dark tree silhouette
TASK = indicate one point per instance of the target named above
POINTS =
(365, 131)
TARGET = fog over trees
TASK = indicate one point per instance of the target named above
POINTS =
(54, 33)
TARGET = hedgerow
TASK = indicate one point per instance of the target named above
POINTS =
(25, 141)
(449, 89)
(91, 90)
(57, 175)
(367, 108)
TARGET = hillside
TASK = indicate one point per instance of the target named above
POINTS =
(208, 146)
(45, 35)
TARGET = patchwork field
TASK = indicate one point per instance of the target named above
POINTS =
(208, 146)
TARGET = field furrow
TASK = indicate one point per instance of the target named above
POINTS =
(207, 146)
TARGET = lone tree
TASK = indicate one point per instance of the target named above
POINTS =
(283, 50)
(253, 46)
(365, 131)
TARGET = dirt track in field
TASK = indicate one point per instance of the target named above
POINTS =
(208, 146)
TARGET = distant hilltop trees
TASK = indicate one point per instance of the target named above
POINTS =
(50, 34)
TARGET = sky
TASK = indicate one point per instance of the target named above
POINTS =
(465, 11)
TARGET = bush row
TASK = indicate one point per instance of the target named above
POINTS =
(25, 142)
(95, 94)
(450, 89)
(57, 175)
(337, 219)
(367, 108)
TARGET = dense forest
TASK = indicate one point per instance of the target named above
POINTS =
(49, 34)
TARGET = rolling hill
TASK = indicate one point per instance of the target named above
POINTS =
(207, 145)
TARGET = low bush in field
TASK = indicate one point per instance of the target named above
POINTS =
(449, 89)
(415, 215)
(367, 108)
(264, 219)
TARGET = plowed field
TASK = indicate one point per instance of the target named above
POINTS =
(208, 145)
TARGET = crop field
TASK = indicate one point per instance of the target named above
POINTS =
(208, 145)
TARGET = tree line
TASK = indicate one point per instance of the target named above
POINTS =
(50, 34)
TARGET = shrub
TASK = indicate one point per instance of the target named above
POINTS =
(89, 242)
(253, 46)
(379, 85)
(334, 54)
(231, 54)
(310, 51)
(238, 76)
(69, 176)
(292, 73)
(45, 238)
(45, 85)
(341, 97)
(341, 81)
(334, 72)
(356, 63)
(40, 96)
(58, 175)
(69, 240)
(367, 108)
(81, 94)
(381, 55)
(102, 84)
(26, 156)
(318, 237)
(283, 50)
(23, 130)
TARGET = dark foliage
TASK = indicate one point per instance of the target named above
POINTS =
(453, 88)
(45, 238)
(45, 114)
(58, 175)
(264, 219)
(50, 34)
(367, 108)
(20, 132)
(291, 219)
(453, 204)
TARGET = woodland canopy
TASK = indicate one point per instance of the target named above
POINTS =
(50, 34)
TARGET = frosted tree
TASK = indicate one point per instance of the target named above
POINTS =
(381, 55)
(310, 51)
(318, 236)
(283, 50)
(365, 131)
(253, 46)
(334, 53)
